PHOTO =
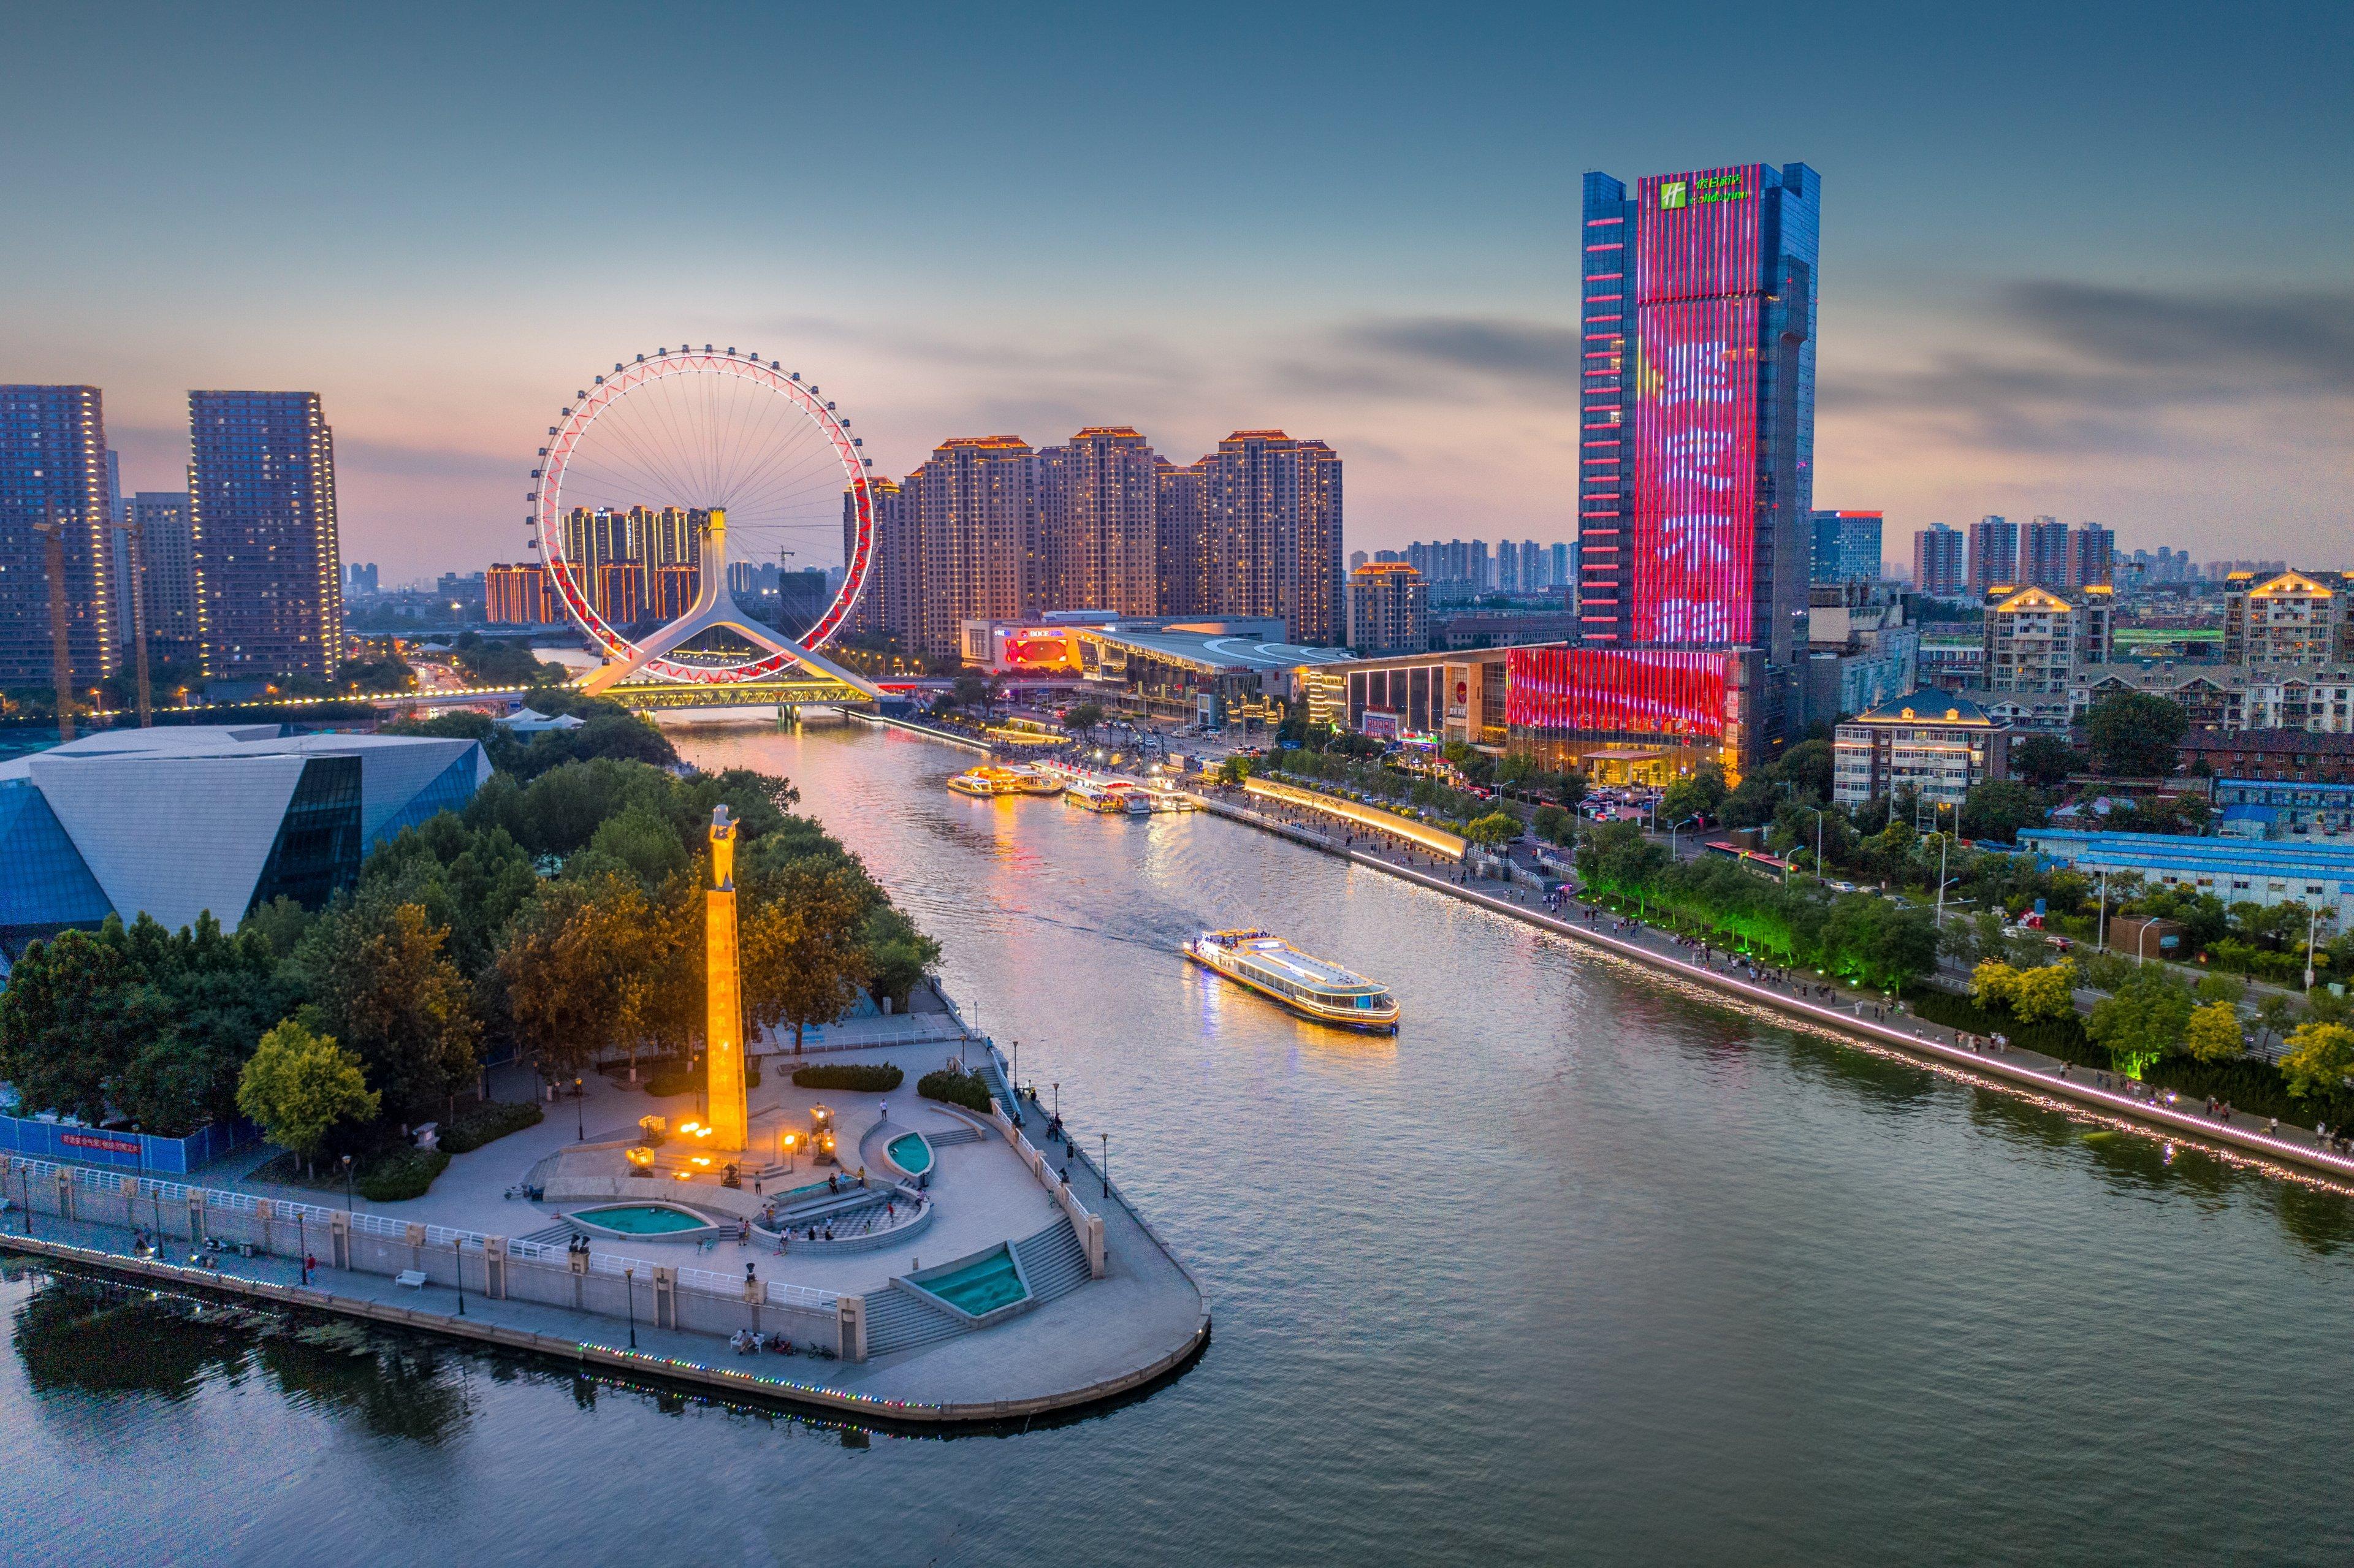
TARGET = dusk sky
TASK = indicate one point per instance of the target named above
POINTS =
(2096, 261)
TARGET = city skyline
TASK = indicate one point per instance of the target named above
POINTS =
(2170, 366)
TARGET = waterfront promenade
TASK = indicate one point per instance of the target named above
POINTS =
(1850, 1012)
(1086, 1337)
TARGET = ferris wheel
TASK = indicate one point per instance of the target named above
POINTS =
(658, 471)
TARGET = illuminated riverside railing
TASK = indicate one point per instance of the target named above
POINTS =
(1435, 839)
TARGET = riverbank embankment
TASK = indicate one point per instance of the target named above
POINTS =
(1842, 1013)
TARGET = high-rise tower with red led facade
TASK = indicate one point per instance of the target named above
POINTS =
(1695, 448)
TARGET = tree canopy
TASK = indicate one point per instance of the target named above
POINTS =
(298, 1086)
(2132, 735)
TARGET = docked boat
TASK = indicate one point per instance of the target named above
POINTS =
(1112, 795)
(989, 780)
(1311, 987)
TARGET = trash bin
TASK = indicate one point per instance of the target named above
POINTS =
(245, 1249)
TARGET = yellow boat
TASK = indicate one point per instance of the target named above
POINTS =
(1311, 987)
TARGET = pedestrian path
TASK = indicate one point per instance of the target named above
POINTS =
(1870, 1014)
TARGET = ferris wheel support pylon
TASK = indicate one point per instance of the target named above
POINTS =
(715, 607)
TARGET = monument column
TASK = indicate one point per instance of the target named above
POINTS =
(723, 1029)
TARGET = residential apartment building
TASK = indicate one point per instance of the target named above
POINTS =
(2289, 618)
(1993, 555)
(1101, 523)
(53, 471)
(2269, 754)
(2211, 696)
(261, 500)
(2036, 636)
(519, 594)
(1941, 562)
(1861, 648)
(167, 573)
(1389, 610)
(1940, 745)
(1272, 511)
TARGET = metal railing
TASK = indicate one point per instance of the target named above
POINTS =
(42, 1175)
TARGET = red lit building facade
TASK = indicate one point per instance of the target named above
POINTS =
(520, 594)
(1696, 457)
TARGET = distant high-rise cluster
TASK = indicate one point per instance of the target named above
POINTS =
(990, 527)
(2000, 553)
(1466, 567)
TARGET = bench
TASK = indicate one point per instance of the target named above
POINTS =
(412, 1277)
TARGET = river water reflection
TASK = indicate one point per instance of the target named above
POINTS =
(1577, 1268)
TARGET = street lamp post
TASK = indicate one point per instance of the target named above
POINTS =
(1106, 1163)
(1674, 828)
(1058, 1102)
(629, 1299)
(580, 1116)
(347, 1183)
(1818, 811)
(2312, 923)
(458, 1257)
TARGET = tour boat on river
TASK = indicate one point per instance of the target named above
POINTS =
(1311, 987)
(989, 780)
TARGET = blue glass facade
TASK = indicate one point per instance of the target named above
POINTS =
(1845, 546)
(47, 886)
(449, 791)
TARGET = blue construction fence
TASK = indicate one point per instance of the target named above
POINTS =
(137, 1152)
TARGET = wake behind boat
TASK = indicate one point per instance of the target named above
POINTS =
(1311, 987)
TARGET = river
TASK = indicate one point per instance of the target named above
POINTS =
(1580, 1266)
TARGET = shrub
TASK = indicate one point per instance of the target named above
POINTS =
(486, 1123)
(403, 1173)
(957, 1088)
(868, 1077)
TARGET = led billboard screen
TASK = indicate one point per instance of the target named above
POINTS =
(1626, 691)
(1698, 293)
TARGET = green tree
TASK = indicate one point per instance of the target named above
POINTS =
(1495, 829)
(298, 1085)
(2045, 994)
(2214, 1033)
(1998, 809)
(898, 955)
(803, 957)
(562, 977)
(375, 971)
(640, 841)
(2274, 1012)
(1553, 825)
(1233, 769)
(219, 995)
(2212, 988)
(74, 1013)
(2045, 760)
(2318, 1058)
(1081, 718)
(2143, 1021)
(1704, 791)
(2132, 735)
(1993, 983)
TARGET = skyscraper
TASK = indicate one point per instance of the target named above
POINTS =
(1105, 529)
(262, 499)
(976, 523)
(1994, 554)
(1271, 506)
(1845, 546)
(167, 551)
(1181, 530)
(1696, 428)
(1940, 564)
(53, 468)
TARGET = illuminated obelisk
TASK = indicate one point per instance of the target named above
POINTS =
(722, 1030)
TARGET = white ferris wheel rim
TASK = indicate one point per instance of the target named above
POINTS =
(573, 425)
